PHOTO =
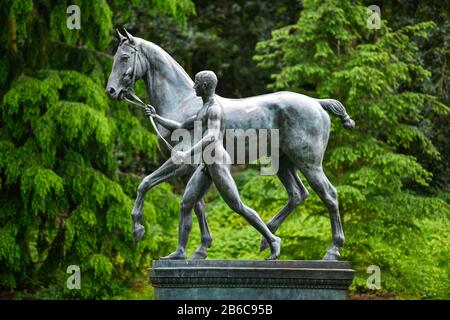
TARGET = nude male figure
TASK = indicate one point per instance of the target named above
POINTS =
(216, 171)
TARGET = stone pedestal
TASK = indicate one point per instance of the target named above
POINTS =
(250, 280)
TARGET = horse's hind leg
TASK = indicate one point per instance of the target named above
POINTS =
(327, 193)
(297, 193)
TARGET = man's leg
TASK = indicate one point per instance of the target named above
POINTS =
(197, 186)
(224, 182)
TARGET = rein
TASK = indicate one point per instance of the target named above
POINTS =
(143, 105)
(138, 102)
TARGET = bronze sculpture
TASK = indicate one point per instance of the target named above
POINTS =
(212, 170)
(302, 121)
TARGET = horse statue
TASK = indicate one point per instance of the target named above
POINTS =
(302, 121)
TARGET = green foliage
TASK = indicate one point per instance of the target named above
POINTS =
(127, 12)
(330, 53)
(65, 155)
(71, 159)
(434, 55)
(220, 37)
(59, 155)
(95, 14)
(17, 12)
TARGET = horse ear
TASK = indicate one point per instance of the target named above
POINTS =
(129, 36)
(121, 37)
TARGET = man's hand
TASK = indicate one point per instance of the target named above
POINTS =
(150, 111)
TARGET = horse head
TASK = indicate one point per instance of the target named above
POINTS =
(127, 67)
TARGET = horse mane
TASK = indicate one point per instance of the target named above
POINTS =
(161, 52)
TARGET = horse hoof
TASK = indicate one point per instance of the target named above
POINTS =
(275, 249)
(138, 232)
(199, 255)
(332, 254)
(177, 255)
(263, 245)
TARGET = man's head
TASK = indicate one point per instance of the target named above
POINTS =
(205, 83)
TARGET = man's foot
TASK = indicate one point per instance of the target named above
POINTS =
(177, 255)
(263, 245)
(275, 247)
(332, 254)
(199, 254)
(138, 232)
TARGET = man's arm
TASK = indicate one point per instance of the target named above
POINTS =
(167, 123)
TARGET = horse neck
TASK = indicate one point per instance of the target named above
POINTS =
(166, 81)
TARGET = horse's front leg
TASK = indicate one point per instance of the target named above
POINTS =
(200, 212)
(168, 170)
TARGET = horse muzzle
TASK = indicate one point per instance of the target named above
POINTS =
(115, 94)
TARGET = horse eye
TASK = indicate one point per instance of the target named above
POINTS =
(124, 58)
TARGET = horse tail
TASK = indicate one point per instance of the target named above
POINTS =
(336, 108)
